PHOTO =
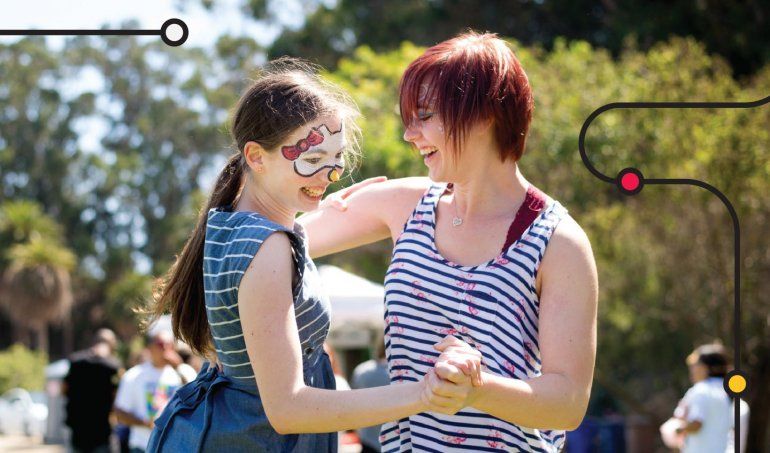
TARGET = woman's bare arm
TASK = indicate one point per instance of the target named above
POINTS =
(374, 212)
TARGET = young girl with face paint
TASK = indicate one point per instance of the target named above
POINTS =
(484, 264)
(245, 293)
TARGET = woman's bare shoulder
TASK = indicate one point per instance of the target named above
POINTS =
(569, 252)
(569, 233)
(409, 188)
(395, 199)
(399, 194)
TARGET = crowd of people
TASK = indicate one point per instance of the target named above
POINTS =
(109, 408)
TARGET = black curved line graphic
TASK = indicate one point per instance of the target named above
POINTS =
(108, 32)
(693, 182)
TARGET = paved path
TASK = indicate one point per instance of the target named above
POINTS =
(19, 444)
(15, 443)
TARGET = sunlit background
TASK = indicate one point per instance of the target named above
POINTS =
(108, 147)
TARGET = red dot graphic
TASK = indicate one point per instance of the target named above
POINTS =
(630, 181)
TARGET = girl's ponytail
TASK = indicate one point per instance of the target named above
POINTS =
(180, 292)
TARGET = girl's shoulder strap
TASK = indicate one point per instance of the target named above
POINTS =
(250, 224)
(240, 234)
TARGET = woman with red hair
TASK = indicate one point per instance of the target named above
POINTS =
(485, 266)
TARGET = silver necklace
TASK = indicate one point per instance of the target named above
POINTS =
(456, 220)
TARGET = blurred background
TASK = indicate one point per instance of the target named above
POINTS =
(108, 146)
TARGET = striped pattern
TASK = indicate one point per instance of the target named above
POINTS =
(492, 306)
(232, 240)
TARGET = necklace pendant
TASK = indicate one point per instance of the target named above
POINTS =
(457, 221)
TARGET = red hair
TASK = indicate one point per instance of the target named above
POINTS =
(471, 78)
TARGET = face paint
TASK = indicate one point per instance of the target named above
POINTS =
(321, 150)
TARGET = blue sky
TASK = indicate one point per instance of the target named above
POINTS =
(204, 26)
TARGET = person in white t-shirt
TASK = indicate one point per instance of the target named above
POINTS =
(744, 432)
(145, 390)
(706, 409)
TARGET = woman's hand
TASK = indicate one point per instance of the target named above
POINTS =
(338, 199)
(461, 355)
(445, 396)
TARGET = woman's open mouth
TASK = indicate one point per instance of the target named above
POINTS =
(428, 152)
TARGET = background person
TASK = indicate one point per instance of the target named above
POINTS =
(146, 388)
(706, 410)
(90, 387)
(372, 373)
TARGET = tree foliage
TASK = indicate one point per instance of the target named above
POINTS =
(35, 283)
(20, 367)
(113, 137)
(333, 30)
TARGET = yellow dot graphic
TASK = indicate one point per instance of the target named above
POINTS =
(737, 383)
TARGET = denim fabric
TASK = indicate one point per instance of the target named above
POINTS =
(216, 414)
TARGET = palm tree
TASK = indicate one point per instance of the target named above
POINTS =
(35, 286)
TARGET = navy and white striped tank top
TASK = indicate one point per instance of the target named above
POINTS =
(493, 307)
(232, 240)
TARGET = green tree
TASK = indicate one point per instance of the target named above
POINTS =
(35, 287)
(162, 134)
(21, 367)
(125, 204)
(165, 111)
(39, 149)
(332, 31)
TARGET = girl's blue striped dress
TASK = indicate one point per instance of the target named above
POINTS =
(221, 410)
(492, 306)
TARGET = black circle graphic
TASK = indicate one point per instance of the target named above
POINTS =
(164, 32)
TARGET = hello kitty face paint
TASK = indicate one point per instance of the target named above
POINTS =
(321, 150)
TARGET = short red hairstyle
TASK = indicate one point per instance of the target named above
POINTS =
(471, 78)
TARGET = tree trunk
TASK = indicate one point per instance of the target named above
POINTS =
(41, 338)
(759, 405)
(68, 335)
(21, 335)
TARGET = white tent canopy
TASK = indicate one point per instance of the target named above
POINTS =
(356, 302)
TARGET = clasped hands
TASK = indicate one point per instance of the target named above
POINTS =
(453, 381)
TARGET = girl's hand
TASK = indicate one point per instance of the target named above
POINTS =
(462, 356)
(445, 396)
(337, 200)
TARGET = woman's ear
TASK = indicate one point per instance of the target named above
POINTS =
(254, 154)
